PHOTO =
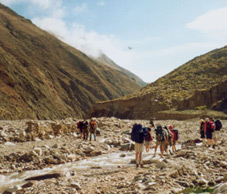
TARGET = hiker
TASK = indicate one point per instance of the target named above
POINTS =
(209, 128)
(160, 139)
(169, 140)
(80, 127)
(202, 132)
(216, 134)
(92, 128)
(138, 135)
(175, 137)
(85, 130)
(148, 139)
(152, 122)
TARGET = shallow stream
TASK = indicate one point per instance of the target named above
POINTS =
(112, 160)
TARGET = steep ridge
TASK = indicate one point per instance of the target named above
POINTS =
(200, 82)
(105, 60)
(44, 78)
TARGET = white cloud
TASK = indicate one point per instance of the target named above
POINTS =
(8, 2)
(76, 35)
(79, 9)
(44, 4)
(101, 3)
(143, 59)
(213, 24)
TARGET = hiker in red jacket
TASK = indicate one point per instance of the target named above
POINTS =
(148, 139)
(175, 137)
(209, 129)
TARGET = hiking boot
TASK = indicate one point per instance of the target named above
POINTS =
(137, 165)
(214, 146)
(141, 165)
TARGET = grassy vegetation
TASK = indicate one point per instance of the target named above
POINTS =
(45, 78)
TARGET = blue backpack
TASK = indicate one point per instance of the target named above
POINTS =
(138, 133)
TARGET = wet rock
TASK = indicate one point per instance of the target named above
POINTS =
(123, 155)
(95, 153)
(12, 190)
(28, 184)
(125, 147)
(72, 157)
(43, 177)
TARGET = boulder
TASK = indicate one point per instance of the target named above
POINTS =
(125, 147)
(160, 165)
(221, 189)
(89, 149)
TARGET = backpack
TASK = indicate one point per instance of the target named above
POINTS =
(218, 125)
(210, 126)
(160, 136)
(202, 127)
(148, 136)
(80, 124)
(170, 135)
(92, 124)
(176, 134)
(138, 133)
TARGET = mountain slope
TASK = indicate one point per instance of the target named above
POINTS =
(103, 59)
(42, 77)
(200, 82)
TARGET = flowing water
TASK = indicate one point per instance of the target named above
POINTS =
(112, 160)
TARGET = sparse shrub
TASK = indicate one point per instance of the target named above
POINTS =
(204, 107)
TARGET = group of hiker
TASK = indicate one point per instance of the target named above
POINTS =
(87, 129)
(166, 139)
(210, 131)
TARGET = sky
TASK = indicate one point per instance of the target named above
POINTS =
(150, 38)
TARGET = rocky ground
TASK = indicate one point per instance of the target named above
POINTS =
(69, 164)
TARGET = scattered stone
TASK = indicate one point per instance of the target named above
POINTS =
(221, 189)
(75, 185)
